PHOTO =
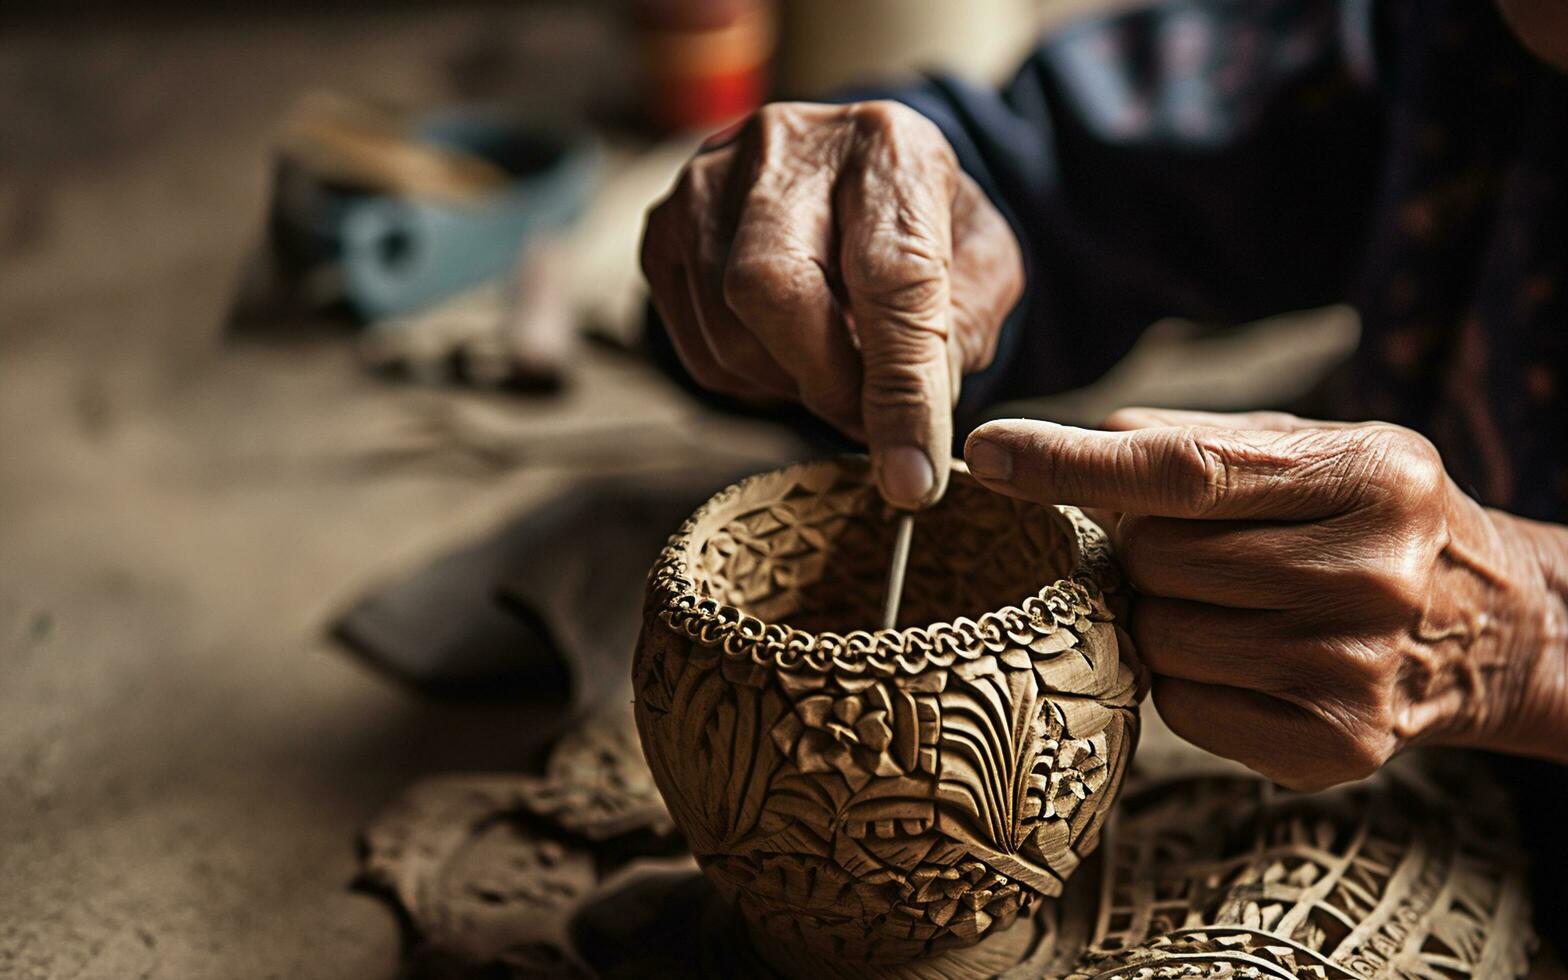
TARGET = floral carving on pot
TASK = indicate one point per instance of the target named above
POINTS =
(874, 729)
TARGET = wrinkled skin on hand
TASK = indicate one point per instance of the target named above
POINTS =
(837, 256)
(1311, 597)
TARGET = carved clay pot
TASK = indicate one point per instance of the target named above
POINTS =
(884, 795)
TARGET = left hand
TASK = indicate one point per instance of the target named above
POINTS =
(1311, 597)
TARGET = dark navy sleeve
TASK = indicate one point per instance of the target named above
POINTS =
(1212, 160)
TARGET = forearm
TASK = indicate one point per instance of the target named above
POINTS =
(1536, 718)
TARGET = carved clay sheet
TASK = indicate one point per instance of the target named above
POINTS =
(1403, 877)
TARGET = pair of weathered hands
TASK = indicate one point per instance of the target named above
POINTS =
(1312, 597)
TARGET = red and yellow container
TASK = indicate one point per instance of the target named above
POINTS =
(706, 62)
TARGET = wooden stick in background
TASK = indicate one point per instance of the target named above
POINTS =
(358, 144)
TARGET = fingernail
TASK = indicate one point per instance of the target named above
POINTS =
(989, 461)
(907, 476)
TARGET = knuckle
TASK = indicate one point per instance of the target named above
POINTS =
(895, 387)
(895, 124)
(1312, 767)
(1382, 673)
(1369, 594)
(777, 122)
(756, 283)
(670, 221)
(767, 117)
(1394, 580)
(1406, 570)
(771, 129)
(1321, 459)
(787, 113)
(748, 283)
(885, 118)
(787, 141)
(901, 354)
(1358, 737)
(906, 277)
(1368, 670)
(1407, 462)
(1200, 464)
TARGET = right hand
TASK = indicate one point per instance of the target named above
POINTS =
(837, 256)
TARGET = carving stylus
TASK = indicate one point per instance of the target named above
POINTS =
(895, 571)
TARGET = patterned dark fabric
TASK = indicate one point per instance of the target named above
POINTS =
(1224, 161)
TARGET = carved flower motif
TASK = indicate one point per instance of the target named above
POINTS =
(871, 728)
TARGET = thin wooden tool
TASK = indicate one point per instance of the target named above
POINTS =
(352, 142)
(895, 572)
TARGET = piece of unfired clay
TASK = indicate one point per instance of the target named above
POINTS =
(494, 869)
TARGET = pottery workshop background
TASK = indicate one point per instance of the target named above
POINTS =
(333, 460)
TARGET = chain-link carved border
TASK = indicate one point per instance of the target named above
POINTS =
(1070, 603)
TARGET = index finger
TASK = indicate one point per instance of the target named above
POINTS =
(894, 205)
(1192, 472)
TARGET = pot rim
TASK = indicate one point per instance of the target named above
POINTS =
(1072, 603)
